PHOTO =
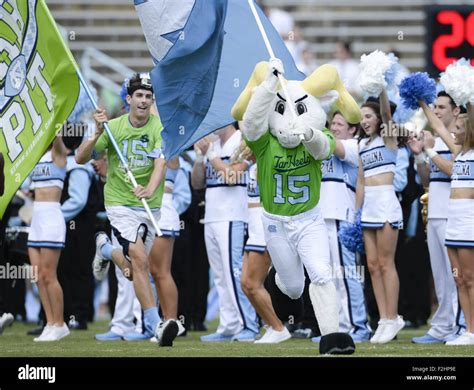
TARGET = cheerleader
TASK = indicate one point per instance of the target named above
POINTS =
(47, 237)
(460, 225)
(381, 213)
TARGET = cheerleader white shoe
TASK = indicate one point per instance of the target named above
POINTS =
(273, 336)
(391, 329)
(465, 339)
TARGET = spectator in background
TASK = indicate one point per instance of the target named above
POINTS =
(190, 267)
(80, 202)
(347, 67)
(281, 20)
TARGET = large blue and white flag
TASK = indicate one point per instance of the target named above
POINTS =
(205, 52)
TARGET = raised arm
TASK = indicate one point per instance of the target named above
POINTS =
(255, 121)
(389, 135)
(438, 126)
(84, 153)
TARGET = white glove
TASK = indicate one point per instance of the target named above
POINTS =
(298, 127)
(274, 66)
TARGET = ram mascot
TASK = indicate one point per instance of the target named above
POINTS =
(289, 147)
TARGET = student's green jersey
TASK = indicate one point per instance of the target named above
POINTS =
(138, 146)
(289, 179)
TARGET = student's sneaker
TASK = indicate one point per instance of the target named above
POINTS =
(100, 265)
(426, 339)
(6, 320)
(273, 336)
(466, 338)
(391, 328)
(109, 336)
(46, 330)
(181, 331)
(245, 335)
(216, 337)
(381, 324)
(166, 332)
(137, 336)
(57, 333)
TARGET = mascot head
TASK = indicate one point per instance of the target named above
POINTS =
(311, 99)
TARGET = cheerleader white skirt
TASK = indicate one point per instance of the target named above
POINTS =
(169, 221)
(460, 226)
(381, 205)
(48, 227)
(256, 239)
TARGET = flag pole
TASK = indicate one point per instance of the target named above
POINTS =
(106, 125)
(119, 153)
(272, 55)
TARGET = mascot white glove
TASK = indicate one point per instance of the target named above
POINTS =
(275, 66)
(298, 127)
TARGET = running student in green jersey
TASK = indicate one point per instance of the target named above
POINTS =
(138, 135)
(289, 152)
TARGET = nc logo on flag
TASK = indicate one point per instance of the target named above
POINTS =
(16, 77)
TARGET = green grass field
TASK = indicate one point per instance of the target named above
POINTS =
(15, 343)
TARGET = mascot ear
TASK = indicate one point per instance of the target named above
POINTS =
(325, 79)
(258, 76)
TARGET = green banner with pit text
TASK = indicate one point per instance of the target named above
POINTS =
(39, 88)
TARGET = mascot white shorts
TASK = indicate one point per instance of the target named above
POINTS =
(296, 241)
(381, 205)
(256, 239)
(129, 223)
(169, 221)
(460, 226)
(48, 228)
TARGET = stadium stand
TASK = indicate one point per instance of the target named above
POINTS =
(112, 26)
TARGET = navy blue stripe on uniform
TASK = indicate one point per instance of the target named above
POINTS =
(225, 185)
(340, 181)
(445, 180)
(459, 243)
(255, 248)
(169, 233)
(370, 150)
(346, 285)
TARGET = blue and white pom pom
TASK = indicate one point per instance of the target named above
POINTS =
(123, 95)
(83, 105)
(417, 86)
(377, 71)
(458, 81)
(350, 234)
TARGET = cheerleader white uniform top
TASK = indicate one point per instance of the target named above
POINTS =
(47, 174)
(48, 227)
(463, 170)
(381, 205)
(460, 225)
(376, 157)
